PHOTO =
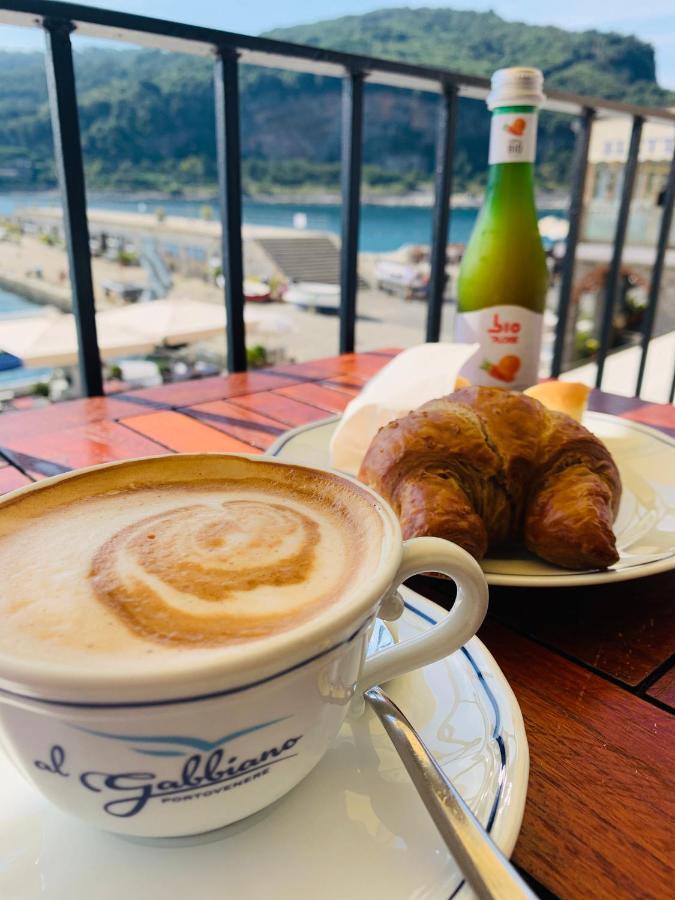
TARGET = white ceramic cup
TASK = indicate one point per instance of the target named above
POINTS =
(194, 749)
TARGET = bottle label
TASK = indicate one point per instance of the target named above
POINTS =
(510, 346)
(513, 137)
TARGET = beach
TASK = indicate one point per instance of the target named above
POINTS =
(383, 318)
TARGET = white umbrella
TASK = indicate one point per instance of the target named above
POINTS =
(169, 321)
(51, 339)
(186, 321)
(554, 228)
(266, 322)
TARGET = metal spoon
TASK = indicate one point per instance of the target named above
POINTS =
(485, 867)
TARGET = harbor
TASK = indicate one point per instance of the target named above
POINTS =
(143, 251)
(177, 259)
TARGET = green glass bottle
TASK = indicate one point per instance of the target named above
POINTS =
(503, 278)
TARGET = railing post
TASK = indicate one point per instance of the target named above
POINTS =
(445, 139)
(68, 153)
(226, 84)
(579, 169)
(619, 239)
(657, 272)
(350, 178)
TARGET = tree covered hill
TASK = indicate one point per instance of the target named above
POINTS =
(148, 121)
(477, 43)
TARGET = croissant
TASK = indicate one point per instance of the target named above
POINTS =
(484, 467)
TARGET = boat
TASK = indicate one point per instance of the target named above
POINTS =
(314, 296)
(405, 279)
(256, 291)
(8, 361)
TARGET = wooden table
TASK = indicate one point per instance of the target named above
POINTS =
(592, 668)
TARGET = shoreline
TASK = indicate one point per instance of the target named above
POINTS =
(36, 293)
(417, 199)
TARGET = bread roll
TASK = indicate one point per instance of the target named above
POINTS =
(569, 397)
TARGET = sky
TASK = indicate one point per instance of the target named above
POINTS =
(653, 20)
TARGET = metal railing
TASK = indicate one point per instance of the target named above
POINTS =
(229, 51)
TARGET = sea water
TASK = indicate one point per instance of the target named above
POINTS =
(383, 228)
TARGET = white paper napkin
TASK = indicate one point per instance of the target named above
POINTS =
(410, 379)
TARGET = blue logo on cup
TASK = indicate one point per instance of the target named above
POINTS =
(203, 774)
(177, 741)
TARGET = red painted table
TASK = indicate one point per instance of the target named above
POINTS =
(592, 668)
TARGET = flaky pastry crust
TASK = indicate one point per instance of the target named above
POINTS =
(485, 467)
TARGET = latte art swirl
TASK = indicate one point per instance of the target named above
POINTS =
(179, 576)
(159, 564)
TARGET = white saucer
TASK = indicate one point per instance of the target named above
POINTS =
(354, 828)
(645, 534)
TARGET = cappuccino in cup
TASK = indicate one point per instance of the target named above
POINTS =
(99, 571)
(182, 636)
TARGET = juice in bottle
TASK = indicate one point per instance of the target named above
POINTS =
(503, 277)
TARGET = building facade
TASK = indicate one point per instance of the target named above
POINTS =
(608, 149)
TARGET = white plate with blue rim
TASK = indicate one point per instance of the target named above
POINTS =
(355, 827)
(644, 526)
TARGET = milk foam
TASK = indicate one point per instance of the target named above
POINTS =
(144, 572)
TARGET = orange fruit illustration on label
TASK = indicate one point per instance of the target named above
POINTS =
(516, 127)
(505, 370)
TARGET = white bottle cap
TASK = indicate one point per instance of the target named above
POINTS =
(519, 86)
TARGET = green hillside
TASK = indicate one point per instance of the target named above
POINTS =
(478, 43)
(148, 122)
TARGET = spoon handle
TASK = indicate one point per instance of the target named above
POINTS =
(485, 867)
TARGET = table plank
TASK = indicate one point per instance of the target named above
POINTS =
(349, 384)
(243, 424)
(612, 404)
(60, 416)
(219, 387)
(285, 410)
(317, 395)
(41, 455)
(387, 352)
(366, 364)
(601, 801)
(184, 434)
(664, 689)
(625, 630)
(11, 479)
(314, 370)
(657, 415)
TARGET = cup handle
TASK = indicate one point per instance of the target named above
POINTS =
(430, 554)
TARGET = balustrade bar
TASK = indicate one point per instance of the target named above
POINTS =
(68, 153)
(657, 273)
(614, 273)
(445, 140)
(226, 84)
(352, 139)
(576, 208)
